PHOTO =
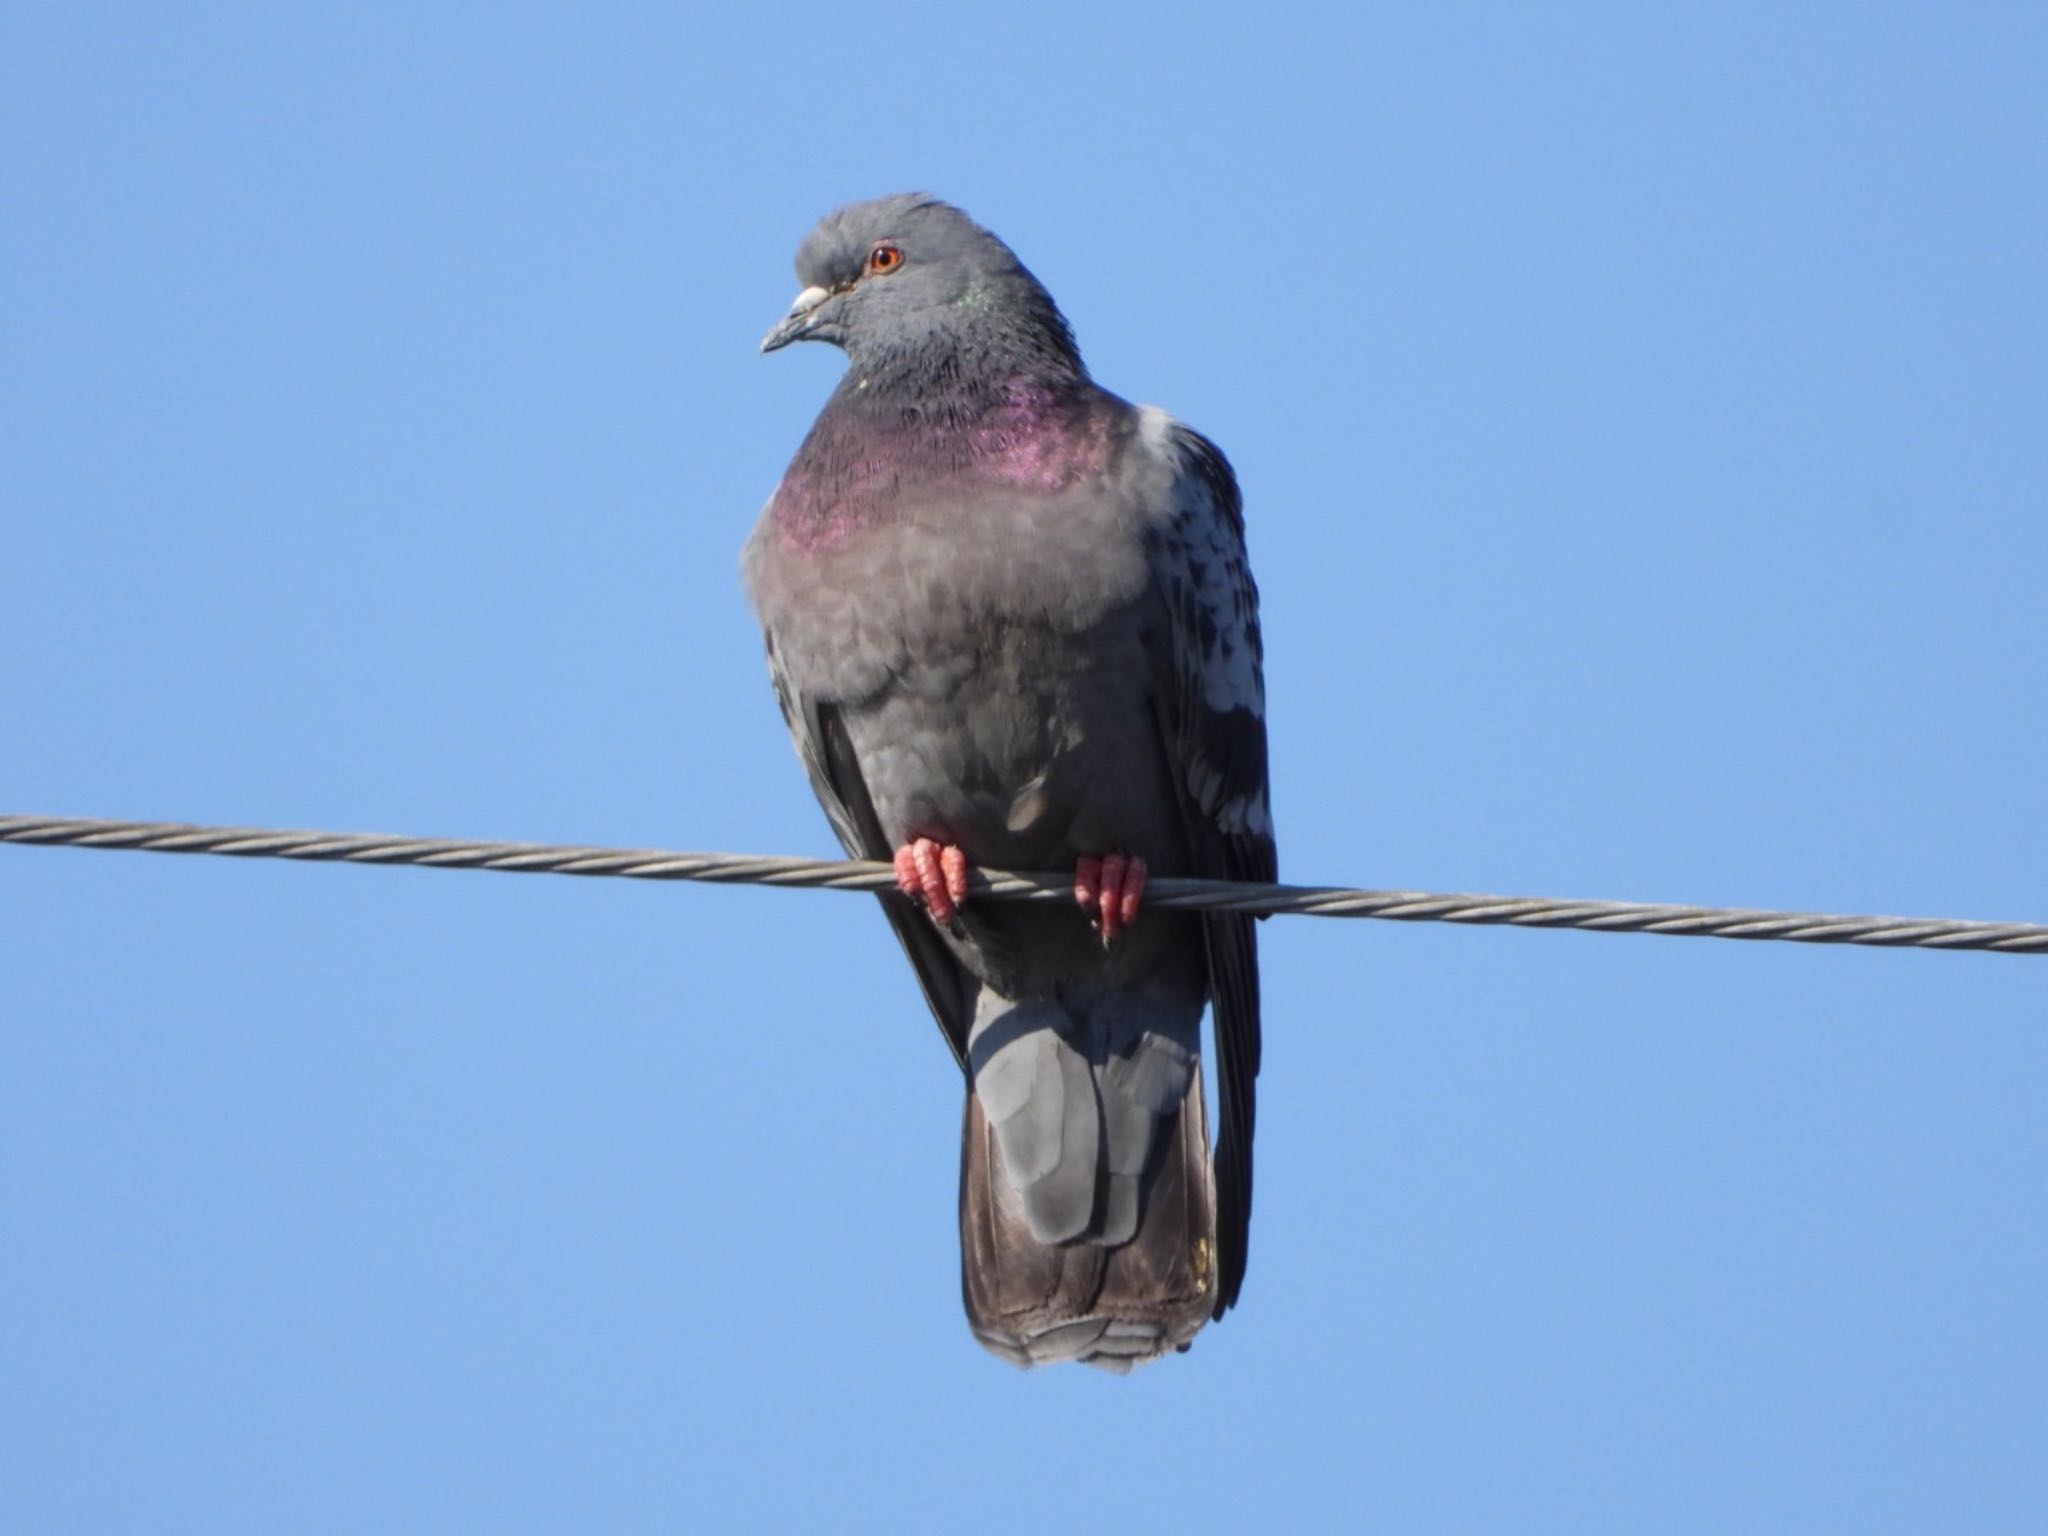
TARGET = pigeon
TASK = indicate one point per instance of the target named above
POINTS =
(1010, 622)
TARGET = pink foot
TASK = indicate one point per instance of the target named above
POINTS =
(1109, 890)
(933, 874)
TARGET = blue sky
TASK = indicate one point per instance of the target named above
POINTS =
(1641, 422)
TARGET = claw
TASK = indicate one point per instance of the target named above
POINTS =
(934, 875)
(1110, 890)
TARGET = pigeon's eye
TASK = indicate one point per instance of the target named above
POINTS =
(884, 258)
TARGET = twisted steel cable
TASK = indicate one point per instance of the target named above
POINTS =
(1002, 885)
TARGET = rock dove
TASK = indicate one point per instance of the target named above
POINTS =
(1010, 622)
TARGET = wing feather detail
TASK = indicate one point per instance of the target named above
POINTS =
(1212, 706)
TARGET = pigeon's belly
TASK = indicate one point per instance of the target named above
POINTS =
(1028, 748)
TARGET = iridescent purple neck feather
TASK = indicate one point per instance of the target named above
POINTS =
(865, 456)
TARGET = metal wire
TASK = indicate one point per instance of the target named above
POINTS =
(1003, 885)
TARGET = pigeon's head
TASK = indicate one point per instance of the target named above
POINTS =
(903, 276)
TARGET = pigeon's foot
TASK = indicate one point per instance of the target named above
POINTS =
(1109, 890)
(933, 875)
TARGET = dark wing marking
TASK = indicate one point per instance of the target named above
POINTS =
(1212, 716)
(828, 757)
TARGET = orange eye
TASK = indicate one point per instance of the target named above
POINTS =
(884, 258)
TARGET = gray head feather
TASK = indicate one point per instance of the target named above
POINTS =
(942, 286)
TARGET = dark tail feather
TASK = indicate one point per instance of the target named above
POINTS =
(1117, 1307)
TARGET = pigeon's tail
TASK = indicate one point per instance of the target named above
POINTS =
(1087, 1203)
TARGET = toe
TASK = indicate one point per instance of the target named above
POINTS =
(906, 873)
(1135, 874)
(1088, 883)
(1110, 913)
(953, 866)
(938, 900)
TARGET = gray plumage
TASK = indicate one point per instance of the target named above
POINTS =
(1010, 612)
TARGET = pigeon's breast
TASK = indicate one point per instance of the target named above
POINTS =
(915, 548)
(981, 630)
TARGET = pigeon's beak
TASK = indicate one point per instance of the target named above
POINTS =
(797, 324)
